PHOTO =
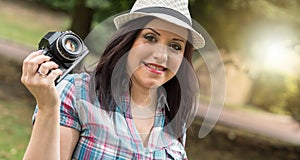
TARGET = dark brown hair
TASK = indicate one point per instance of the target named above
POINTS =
(180, 90)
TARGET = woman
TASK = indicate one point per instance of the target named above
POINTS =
(138, 102)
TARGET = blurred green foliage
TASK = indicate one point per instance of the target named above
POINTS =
(277, 93)
(270, 91)
(236, 24)
(228, 22)
(293, 101)
(102, 8)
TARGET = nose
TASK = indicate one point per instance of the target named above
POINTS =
(160, 53)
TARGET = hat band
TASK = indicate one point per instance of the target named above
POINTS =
(167, 11)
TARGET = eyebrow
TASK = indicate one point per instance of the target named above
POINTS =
(153, 31)
(175, 39)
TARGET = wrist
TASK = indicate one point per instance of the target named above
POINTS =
(49, 113)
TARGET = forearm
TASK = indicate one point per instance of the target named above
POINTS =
(45, 138)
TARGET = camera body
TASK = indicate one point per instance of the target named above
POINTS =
(65, 48)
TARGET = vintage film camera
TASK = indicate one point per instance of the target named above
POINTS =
(65, 48)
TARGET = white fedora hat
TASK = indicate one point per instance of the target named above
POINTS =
(174, 11)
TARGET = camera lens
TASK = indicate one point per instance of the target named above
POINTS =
(69, 46)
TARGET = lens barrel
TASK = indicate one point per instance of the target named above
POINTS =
(69, 46)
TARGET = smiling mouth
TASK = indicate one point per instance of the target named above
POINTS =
(155, 66)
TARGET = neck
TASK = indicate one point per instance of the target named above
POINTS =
(143, 101)
(143, 96)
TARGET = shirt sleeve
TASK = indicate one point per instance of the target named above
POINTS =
(68, 113)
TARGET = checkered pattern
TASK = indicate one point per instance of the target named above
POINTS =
(180, 6)
(111, 135)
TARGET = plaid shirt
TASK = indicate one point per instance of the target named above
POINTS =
(111, 135)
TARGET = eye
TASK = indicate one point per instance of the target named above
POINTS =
(150, 37)
(175, 46)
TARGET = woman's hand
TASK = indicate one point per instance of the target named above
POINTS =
(38, 75)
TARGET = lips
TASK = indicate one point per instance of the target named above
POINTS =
(155, 68)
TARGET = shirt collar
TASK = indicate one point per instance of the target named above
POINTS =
(162, 99)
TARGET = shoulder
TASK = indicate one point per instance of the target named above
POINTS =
(77, 78)
(73, 82)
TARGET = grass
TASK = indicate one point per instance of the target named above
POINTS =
(16, 108)
(15, 129)
(25, 24)
(21, 24)
(19, 31)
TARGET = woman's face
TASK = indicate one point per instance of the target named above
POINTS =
(156, 54)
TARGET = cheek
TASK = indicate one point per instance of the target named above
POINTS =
(174, 63)
(131, 63)
(135, 58)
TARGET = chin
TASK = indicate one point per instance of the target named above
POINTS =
(152, 84)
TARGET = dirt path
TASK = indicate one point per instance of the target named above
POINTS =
(13, 50)
(279, 127)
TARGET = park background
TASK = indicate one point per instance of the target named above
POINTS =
(259, 41)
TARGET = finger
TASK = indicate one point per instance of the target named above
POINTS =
(54, 74)
(33, 54)
(31, 57)
(27, 60)
(46, 67)
(32, 65)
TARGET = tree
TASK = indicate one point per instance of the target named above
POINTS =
(86, 12)
(82, 17)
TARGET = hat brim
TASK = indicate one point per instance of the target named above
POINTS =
(198, 40)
